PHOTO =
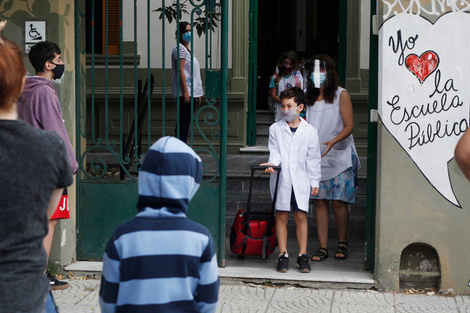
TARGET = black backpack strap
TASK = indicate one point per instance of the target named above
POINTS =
(250, 193)
(266, 246)
(242, 244)
(273, 207)
(255, 168)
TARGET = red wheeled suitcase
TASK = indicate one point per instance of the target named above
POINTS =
(254, 233)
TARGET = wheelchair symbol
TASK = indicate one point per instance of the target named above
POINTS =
(34, 34)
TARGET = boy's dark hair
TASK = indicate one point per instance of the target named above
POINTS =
(294, 92)
(42, 52)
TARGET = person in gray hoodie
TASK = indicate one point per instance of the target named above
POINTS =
(40, 107)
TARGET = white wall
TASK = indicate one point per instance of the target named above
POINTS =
(365, 33)
(156, 45)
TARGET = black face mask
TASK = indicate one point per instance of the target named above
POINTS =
(58, 70)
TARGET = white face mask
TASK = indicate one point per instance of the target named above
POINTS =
(290, 115)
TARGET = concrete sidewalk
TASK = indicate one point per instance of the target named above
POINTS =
(83, 297)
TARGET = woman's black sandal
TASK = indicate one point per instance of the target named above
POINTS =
(321, 254)
(342, 249)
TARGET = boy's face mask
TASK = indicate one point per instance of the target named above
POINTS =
(290, 115)
(58, 70)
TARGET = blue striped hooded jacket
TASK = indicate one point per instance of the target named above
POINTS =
(160, 261)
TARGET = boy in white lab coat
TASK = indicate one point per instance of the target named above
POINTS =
(293, 145)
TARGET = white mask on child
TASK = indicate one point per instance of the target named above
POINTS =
(290, 115)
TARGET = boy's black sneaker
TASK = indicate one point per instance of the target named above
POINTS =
(56, 284)
(304, 266)
(283, 263)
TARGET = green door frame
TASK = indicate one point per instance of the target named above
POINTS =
(372, 146)
(252, 73)
(253, 62)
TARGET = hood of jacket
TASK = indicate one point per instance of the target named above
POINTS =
(169, 177)
(34, 82)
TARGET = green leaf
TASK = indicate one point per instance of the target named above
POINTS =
(67, 10)
(8, 5)
(199, 30)
(169, 16)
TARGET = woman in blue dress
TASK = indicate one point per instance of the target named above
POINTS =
(330, 111)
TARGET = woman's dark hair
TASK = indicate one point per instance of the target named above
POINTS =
(182, 29)
(332, 82)
(292, 56)
(42, 52)
(12, 73)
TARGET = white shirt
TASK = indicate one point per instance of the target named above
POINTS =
(298, 154)
(327, 119)
(185, 54)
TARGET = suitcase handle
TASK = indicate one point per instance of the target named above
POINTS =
(255, 168)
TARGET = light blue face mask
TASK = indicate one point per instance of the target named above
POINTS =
(187, 37)
(322, 79)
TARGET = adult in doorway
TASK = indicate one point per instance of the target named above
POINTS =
(35, 169)
(330, 111)
(40, 107)
(189, 86)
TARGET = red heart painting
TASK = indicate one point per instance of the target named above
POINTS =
(422, 66)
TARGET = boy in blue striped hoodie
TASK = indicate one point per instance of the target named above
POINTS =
(160, 261)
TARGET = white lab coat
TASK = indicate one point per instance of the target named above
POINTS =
(299, 156)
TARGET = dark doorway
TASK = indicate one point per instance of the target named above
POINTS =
(308, 27)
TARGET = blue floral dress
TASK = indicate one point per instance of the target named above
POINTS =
(341, 187)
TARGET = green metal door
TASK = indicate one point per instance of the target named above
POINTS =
(253, 73)
(124, 104)
(372, 146)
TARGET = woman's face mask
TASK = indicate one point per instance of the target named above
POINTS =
(320, 81)
(290, 115)
(187, 36)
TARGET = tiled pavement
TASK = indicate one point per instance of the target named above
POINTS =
(252, 285)
(83, 297)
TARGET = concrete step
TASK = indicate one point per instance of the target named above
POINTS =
(258, 149)
(264, 116)
(330, 273)
(262, 140)
(263, 126)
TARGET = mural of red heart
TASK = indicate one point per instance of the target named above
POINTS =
(422, 66)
